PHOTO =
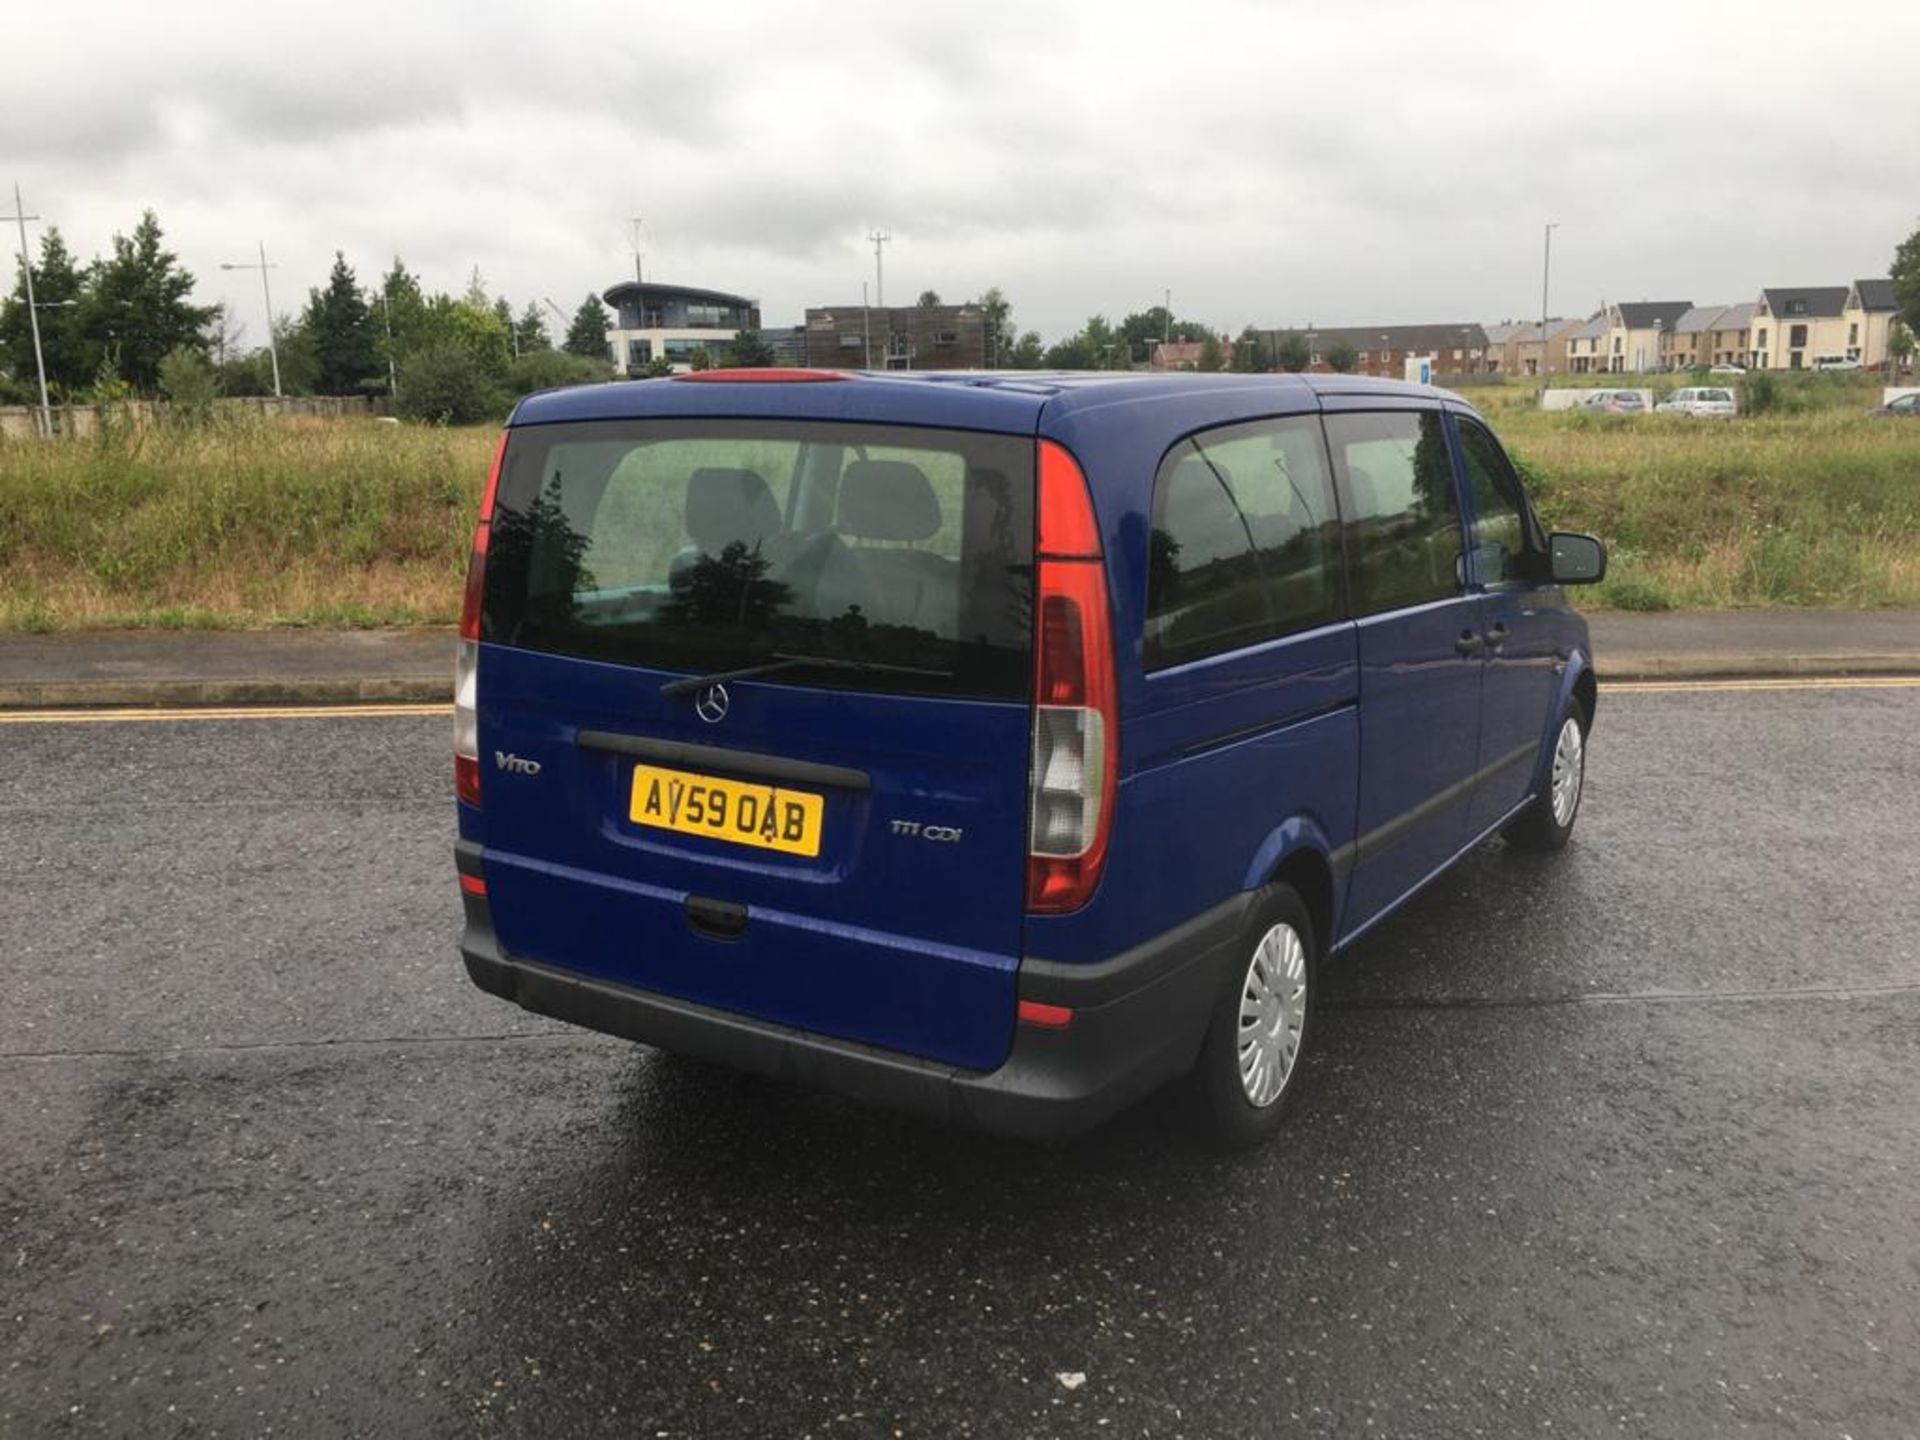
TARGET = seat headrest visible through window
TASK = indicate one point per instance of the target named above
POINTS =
(887, 500)
(724, 506)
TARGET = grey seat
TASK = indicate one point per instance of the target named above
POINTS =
(885, 507)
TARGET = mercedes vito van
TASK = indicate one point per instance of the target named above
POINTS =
(999, 746)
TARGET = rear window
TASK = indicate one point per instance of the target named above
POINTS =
(703, 546)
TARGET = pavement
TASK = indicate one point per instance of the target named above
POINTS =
(1620, 1140)
(228, 667)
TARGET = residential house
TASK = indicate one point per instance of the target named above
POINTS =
(1385, 349)
(1185, 354)
(1690, 343)
(1525, 353)
(896, 337)
(1499, 351)
(1869, 314)
(1639, 333)
(1586, 346)
(1729, 342)
(1795, 328)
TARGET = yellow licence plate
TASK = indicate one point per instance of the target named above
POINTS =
(746, 814)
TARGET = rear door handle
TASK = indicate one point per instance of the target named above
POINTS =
(1469, 643)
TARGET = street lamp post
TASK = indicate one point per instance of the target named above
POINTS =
(1546, 274)
(21, 217)
(273, 350)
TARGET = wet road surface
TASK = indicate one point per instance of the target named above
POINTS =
(1623, 1141)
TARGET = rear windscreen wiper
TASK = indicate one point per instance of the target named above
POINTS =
(776, 663)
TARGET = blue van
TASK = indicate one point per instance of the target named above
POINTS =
(1001, 746)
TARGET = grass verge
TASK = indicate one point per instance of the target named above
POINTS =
(348, 523)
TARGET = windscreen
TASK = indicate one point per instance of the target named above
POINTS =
(707, 546)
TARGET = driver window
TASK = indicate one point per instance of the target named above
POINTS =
(1504, 530)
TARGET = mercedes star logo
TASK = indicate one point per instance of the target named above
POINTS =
(711, 706)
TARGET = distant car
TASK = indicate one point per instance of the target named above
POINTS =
(1901, 407)
(1835, 362)
(1620, 402)
(1700, 400)
(1728, 370)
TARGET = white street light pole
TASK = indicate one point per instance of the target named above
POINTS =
(273, 350)
(33, 312)
(1546, 272)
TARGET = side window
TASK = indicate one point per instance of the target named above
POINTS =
(1505, 537)
(1403, 523)
(1245, 544)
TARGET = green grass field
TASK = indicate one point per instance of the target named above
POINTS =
(355, 523)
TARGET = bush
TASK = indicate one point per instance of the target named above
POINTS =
(1763, 393)
(443, 384)
(554, 370)
(188, 381)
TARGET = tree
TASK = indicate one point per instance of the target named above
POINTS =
(443, 385)
(503, 312)
(58, 290)
(475, 329)
(997, 320)
(701, 359)
(1211, 360)
(1028, 352)
(1292, 354)
(532, 330)
(1250, 352)
(928, 299)
(1900, 343)
(299, 365)
(339, 327)
(551, 369)
(749, 350)
(587, 335)
(1906, 281)
(1342, 357)
(137, 308)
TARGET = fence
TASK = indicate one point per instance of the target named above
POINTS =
(78, 422)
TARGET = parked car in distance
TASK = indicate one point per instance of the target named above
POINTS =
(1835, 362)
(998, 747)
(1622, 402)
(1727, 370)
(1700, 400)
(1901, 407)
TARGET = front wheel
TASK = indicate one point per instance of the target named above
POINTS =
(1261, 1023)
(1547, 823)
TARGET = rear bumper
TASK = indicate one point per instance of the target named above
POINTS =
(1138, 1022)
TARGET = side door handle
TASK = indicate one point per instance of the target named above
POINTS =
(1469, 643)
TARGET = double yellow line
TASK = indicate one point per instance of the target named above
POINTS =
(106, 715)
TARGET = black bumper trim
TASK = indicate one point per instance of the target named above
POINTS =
(1138, 1022)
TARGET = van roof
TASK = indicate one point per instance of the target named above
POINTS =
(1009, 400)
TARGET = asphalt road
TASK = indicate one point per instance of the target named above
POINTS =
(1623, 1141)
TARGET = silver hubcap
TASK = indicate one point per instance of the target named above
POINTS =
(1273, 1010)
(1569, 767)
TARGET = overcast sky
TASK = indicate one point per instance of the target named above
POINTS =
(1334, 162)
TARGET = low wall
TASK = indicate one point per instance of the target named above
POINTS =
(22, 422)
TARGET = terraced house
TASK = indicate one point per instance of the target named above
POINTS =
(1801, 328)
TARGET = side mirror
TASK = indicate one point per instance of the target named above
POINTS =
(1577, 559)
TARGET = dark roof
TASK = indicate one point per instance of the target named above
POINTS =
(1394, 337)
(1877, 294)
(1822, 301)
(651, 291)
(1645, 314)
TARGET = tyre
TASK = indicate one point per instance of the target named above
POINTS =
(1262, 1021)
(1548, 821)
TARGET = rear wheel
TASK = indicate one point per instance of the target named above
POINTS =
(1548, 821)
(1249, 1063)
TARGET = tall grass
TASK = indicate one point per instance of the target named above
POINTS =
(245, 522)
(346, 522)
(1814, 504)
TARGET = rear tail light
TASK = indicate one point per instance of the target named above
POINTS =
(466, 664)
(1072, 763)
